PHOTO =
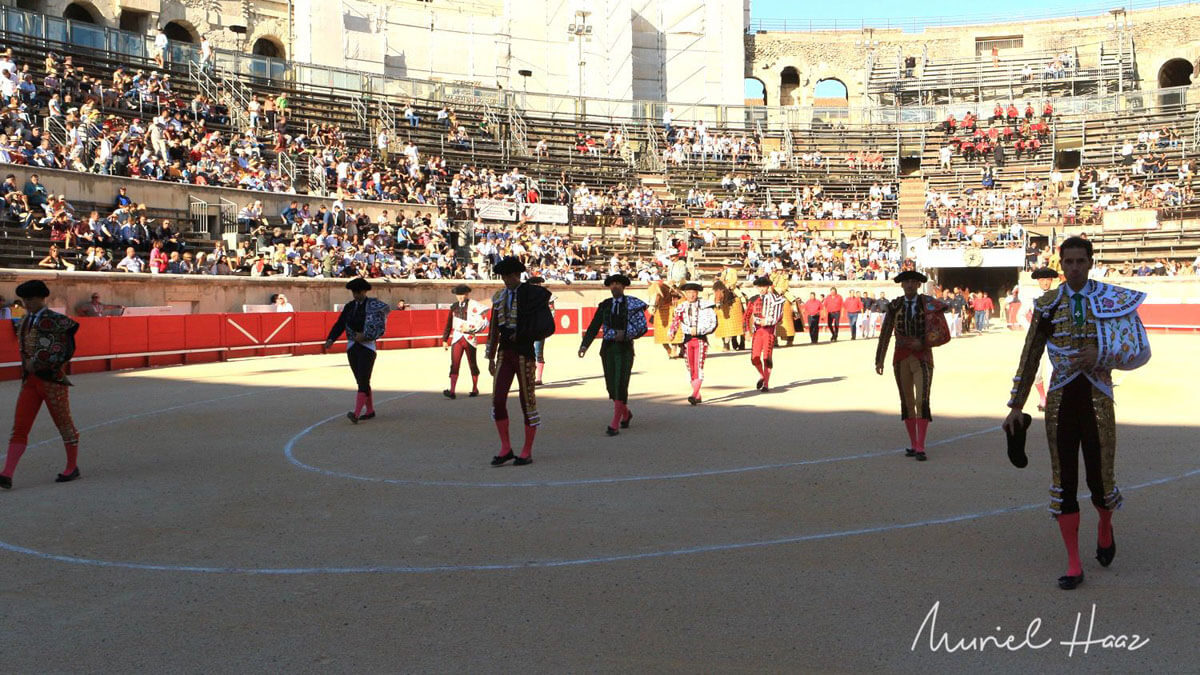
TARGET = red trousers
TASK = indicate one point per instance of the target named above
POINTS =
(763, 346)
(34, 392)
(456, 353)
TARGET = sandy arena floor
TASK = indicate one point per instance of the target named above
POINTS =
(230, 519)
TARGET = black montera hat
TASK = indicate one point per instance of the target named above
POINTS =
(1016, 442)
(33, 289)
(911, 275)
(358, 284)
(617, 279)
(691, 286)
(509, 265)
(764, 280)
(1044, 273)
(462, 289)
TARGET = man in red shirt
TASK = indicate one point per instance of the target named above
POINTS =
(1012, 113)
(833, 312)
(812, 314)
(853, 306)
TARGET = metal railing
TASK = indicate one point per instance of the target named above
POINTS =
(316, 177)
(228, 216)
(237, 97)
(652, 159)
(361, 114)
(198, 215)
(287, 168)
(517, 131)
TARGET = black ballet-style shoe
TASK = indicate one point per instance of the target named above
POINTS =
(449, 394)
(910, 453)
(1105, 555)
(920, 456)
(625, 422)
(501, 459)
(758, 385)
(693, 400)
(67, 477)
(522, 461)
(765, 389)
(1069, 583)
(611, 431)
(538, 382)
(473, 394)
(352, 417)
(366, 416)
(6, 482)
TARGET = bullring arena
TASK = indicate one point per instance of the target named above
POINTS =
(196, 182)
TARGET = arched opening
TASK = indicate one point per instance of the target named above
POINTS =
(1175, 73)
(756, 92)
(789, 79)
(831, 100)
(265, 46)
(178, 32)
(81, 12)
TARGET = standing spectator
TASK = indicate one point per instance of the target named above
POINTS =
(207, 62)
(160, 48)
(812, 317)
(854, 309)
(833, 312)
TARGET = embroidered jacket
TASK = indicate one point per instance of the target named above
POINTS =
(764, 311)
(368, 318)
(47, 341)
(465, 320)
(908, 323)
(626, 313)
(695, 319)
(513, 314)
(1105, 316)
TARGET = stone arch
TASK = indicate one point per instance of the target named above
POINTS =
(83, 12)
(181, 31)
(755, 89)
(269, 45)
(789, 82)
(831, 87)
(1176, 72)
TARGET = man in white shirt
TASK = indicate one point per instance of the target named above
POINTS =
(131, 262)
(160, 48)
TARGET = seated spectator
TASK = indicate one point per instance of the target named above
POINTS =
(98, 308)
(131, 262)
(282, 305)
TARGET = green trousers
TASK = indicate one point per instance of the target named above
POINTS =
(617, 358)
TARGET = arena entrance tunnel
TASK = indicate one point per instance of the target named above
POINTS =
(995, 281)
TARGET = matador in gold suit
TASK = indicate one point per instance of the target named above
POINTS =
(1094, 318)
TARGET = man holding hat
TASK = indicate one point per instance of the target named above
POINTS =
(763, 314)
(47, 343)
(619, 321)
(520, 316)
(912, 362)
(1088, 328)
(465, 320)
(364, 321)
(695, 319)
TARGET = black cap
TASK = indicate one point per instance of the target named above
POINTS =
(358, 284)
(1016, 442)
(509, 265)
(461, 289)
(1044, 273)
(691, 286)
(617, 279)
(33, 289)
(764, 280)
(911, 275)
(536, 281)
